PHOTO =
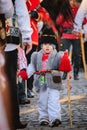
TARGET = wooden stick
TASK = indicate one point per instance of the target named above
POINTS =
(69, 100)
(68, 88)
(83, 55)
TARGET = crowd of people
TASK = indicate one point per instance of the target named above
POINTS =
(34, 46)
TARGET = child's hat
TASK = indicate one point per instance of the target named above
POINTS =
(48, 36)
(47, 39)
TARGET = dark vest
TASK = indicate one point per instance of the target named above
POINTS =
(12, 30)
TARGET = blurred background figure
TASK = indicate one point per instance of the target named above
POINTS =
(81, 24)
(6, 11)
(65, 19)
(14, 27)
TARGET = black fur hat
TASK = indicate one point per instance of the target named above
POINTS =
(47, 39)
(48, 36)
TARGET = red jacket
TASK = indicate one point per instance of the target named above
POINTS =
(43, 15)
(67, 24)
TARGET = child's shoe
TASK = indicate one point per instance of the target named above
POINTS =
(55, 123)
(44, 123)
(64, 76)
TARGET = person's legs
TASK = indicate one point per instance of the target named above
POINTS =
(11, 71)
(54, 108)
(30, 80)
(76, 58)
(42, 106)
(22, 97)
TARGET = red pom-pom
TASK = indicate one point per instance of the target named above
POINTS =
(65, 64)
(23, 75)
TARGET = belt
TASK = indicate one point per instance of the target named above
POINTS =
(68, 30)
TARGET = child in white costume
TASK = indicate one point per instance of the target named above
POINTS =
(47, 79)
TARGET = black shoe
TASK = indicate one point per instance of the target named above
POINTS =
(76, 71)
(44, 123)
(21, 126)
(55, 123)
(29, 95)
(76, 77)
(64, 76)
(24, 101)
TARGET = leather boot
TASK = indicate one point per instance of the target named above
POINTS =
(76, 77)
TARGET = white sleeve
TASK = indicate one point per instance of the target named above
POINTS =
(85, 28)
(7, 8)
(30, 70)
(82, 11)
(23, 20)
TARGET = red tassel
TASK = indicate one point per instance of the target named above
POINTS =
(65, 64)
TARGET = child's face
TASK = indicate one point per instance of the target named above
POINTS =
(47, 48)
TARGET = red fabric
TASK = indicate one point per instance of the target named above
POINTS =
(44, 16)
(85, 21)
(23, 75)
(32, 4)
(70, 36)
(45, 57)
(65, 64)
(67, 24)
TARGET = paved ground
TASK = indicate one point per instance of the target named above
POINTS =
(78, 98)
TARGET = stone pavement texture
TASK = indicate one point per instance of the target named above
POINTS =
(78, 96)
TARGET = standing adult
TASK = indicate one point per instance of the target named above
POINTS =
(81, 14)
(65, 18)
(11, 53)
(6, 11)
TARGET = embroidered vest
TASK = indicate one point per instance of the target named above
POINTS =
(12, 30)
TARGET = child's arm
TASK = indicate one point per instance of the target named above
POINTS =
(25, 74)
(31, 69)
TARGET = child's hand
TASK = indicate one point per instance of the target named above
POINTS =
(65, 63)
(23, 74)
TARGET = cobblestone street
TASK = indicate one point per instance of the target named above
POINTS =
(78, 97)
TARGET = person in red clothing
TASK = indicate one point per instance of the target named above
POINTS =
(37, 13)
(65, 19)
